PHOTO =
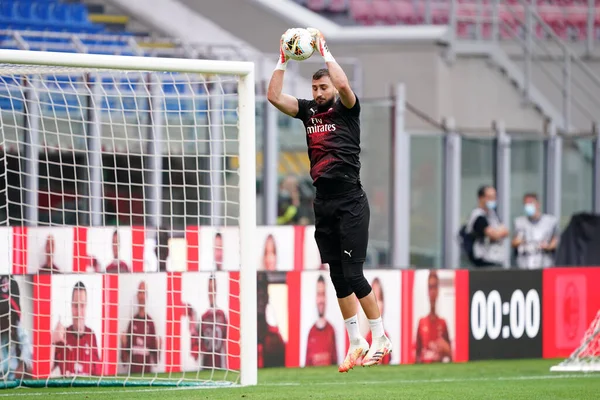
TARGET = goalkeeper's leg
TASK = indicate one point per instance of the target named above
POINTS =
(380, 345)
(349, 308)
(354, 229)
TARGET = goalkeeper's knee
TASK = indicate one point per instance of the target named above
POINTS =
(353, 273)
(342, 287)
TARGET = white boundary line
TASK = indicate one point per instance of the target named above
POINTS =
(23, 391)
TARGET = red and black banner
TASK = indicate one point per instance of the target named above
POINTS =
(431, 316)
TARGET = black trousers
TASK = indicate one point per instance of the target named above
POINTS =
(342, 226)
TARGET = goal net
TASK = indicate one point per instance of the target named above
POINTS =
(586, 358)
(127, 209)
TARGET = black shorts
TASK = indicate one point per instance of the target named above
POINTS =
(342, 226)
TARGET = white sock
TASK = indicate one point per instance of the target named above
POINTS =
(376, 327)
(352, 328)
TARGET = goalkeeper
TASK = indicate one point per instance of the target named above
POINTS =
(341, 208)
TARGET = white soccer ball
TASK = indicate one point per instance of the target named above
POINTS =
(298, 44)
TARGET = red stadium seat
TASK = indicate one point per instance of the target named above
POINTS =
(384, 11)
(560, 29)
(466, 19)
(466, 12)
(404, 12)
(576, 18)
(575, 15)
(551, 14)
(362, 12)
(567, 18)
(514, 13)
(419, 17)
(338, 6)
(508, 21)
(316, 5)
(440, 13)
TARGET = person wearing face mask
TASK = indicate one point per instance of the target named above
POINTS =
(487, 231)
(288, 202)
(536, 235)
(287, 211)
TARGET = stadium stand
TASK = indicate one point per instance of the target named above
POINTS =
(568, 18)
(53, 25)
(50, 25)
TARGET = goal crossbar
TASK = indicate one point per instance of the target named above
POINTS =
(101, 61)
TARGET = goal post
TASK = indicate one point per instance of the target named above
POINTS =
(586, 358)
(142, 111)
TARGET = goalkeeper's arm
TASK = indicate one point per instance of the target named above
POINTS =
(283, 102)
(336, 73)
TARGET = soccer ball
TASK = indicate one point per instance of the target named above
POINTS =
(298, 44)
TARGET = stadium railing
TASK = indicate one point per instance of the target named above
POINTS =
(549, 63)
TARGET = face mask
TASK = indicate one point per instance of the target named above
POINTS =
(490, 204)
(529, 209)
(284, 194)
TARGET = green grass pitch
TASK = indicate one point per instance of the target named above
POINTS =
(513, 379)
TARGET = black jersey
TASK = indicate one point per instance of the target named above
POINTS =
(333, 139)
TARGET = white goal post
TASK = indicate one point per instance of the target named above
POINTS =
(32, 67)
(585, 358)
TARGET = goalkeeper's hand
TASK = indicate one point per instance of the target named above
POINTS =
(283, 58)
(321, 45)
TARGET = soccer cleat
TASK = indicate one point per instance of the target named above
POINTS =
(357, 350)
(380, 347)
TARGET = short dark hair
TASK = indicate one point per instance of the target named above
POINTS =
(320, 73)
(481, 190)
(320, 279)
(78, 286)
(530, 196)
(218, 235)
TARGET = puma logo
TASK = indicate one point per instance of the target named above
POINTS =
(312, 110)
(349, 253)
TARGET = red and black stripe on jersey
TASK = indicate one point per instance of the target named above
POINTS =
(333, 139)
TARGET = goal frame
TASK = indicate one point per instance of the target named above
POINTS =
(247, 159)
(570, 364)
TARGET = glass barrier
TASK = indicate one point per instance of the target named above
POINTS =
(426, 200)
(527, 159)
(376, 129)
(577, 178)
(478, 155)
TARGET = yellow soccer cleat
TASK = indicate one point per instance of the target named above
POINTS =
(356, 351)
